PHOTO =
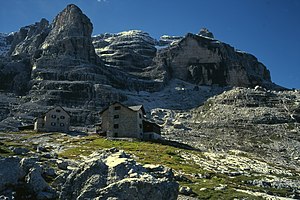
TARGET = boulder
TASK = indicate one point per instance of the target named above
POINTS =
(20, 151)
(38, 185)
(146, 187)
(62, 165)
(115, 175)
(10, 172)
(185, 190)
(28, 163)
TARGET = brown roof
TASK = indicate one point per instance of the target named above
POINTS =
(43, 115)
(133, 108)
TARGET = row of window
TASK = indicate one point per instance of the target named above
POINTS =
(118, 116)
(61, 117)
(54, 124)
(116, 126)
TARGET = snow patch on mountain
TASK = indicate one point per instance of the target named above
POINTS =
(177, 95)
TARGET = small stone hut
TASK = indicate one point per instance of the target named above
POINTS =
(56, 119)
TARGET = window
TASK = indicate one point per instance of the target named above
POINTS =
(116, 116)
(53, 124)
(62, 124)
(62, 117)
(115, 134)
(53, 116)
(140, 115)
(57, 110)
(117, 107)
(140, 125)
(116, 126)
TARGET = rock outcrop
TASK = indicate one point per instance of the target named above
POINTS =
(116, 176)
(110, 174)
(10, 172)
(206, 61)
(22, 179)
(255, 107)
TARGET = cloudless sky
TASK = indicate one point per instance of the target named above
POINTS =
(268, 29)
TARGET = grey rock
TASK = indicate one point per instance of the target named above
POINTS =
(221, 187)
(182, 178)
(10, 172)
(2, 197)
(145, 188)
(41, 149)
(47, 155)
(62, 165)
(20, 151)
(116, 175)
(183, 197)
(38, 185)
(28, 163)
(46, 195)
(185, 190)
(81, 183)
(49, 172)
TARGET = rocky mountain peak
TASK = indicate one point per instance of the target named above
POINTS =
(70, 35)
(72, 22)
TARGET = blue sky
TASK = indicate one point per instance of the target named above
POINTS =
(268, 29)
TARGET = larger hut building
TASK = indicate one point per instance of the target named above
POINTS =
(119, 120)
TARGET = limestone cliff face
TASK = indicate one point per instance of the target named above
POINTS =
(205, 61)
(129, 50)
